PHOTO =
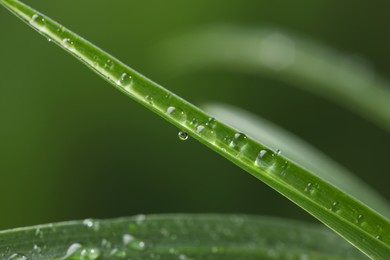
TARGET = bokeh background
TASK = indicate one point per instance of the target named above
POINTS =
(73, 147)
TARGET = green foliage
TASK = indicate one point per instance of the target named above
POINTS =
(177, 237)
(283, 56)
(356, 222)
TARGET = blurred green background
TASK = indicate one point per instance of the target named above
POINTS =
(73, 147)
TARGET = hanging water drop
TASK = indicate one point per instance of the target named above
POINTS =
(126, 81)
(265, 159)
(278, 152)
(177, 114)
(238, 142)
(183, 135)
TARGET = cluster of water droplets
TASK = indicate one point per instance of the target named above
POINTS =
(17, 256)
(77, 250)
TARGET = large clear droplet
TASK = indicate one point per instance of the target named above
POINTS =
(38, 21)
(239, 141)
(206, 132)
(265, 159)
(126, 81)
(177, 114)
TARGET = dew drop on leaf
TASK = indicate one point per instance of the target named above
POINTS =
(265, 159)
(360, 219)
(68, 43)
(177, 114)
(238, 142)
(17, 256)
(206, 132)
(310, 188)
(126, 81)
(118, 253)
(335, 206)
(149, 100)
(133, 243)
(37, 21)
(72, 249)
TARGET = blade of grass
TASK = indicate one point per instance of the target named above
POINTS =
(300, 152)
(357, 223)
(346, 80)
(177, 237)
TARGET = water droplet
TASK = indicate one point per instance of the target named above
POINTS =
(335, 206)
(360, 219)
(38, 233)
(206, 132)
(89, 254)
(17, 256)
(60, 29)
(227, 140)
(125, 81)
(239, 141)
(109, 64)
(265, 159)
(106, 244)
(72, 249)
(378, 237)
(177, 114)
(283, 171)
(37, 248)
(37, 21)
(194, 122)
(310, 188)
(211, 122)
(132, 242)
(68, 43)
(118, 253)
(149, 99)
(49, 39)
(278, 152)
(183, 135)
(182, 257)
(90, 223)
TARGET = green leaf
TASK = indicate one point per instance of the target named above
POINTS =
(300, 152)
(354, 221)
(344, 79)
(177, 237)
